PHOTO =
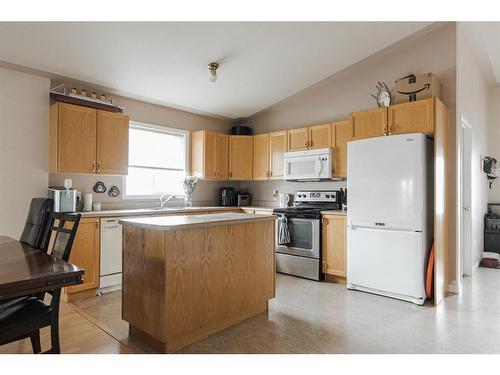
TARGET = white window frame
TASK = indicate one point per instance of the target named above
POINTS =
(163, 130)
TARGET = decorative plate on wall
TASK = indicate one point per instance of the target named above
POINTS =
(114, 191)
(99, 187)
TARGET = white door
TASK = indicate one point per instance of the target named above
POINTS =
(387, 260)
(465, 195)
(386, 182)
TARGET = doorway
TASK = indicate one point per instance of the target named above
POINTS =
(465, 198)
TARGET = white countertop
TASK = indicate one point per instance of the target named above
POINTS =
(181, 222)
(154, 211)
(334, 212)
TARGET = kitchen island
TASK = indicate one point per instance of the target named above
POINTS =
(186, 277)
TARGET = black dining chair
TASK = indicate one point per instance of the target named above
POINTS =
(23, 317)
(36, 223)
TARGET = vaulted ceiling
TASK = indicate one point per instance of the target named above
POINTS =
(166, 62)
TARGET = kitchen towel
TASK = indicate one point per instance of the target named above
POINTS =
(283, 231)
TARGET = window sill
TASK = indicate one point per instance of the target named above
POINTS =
(149, 197)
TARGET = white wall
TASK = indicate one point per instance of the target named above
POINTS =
(472, 102)
(24, 130)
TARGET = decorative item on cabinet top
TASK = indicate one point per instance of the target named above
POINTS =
(68, 94)
(384, 97)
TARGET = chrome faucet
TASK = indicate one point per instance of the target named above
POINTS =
(165, 198)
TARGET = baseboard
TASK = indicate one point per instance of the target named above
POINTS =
(454, 287)
(475, 266)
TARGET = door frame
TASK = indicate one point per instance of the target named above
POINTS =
(464, 251)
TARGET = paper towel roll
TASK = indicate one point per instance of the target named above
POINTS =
(87, 202)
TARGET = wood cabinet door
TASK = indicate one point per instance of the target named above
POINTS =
(341, 134)
(320, 135)
(298, 139)
(76, 140)
(277, 145)
(222, 157)
(210, 155)
(371, 123)
(413, 117)
(261, 157)
(85, 253)
(335, 245)
(112, 143)
(240, 157)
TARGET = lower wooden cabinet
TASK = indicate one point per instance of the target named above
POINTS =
(335, 245)
(85, 253)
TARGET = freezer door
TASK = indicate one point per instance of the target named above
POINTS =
(387, 182)
(387, 260)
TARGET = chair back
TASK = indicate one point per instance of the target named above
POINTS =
(37, 221)
(60, 236)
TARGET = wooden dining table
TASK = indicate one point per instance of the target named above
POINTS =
(25, 270)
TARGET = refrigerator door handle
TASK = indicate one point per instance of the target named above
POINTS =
(378, 229)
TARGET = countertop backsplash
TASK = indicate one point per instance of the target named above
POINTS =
(206, 193)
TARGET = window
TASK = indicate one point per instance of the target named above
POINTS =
(156, 162)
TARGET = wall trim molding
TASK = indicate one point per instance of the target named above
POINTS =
(454, 287)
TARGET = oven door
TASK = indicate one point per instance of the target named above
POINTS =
(304, 238)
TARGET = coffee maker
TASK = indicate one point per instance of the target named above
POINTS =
(227, 196)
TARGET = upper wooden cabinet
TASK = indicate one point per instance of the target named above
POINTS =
(87, 140)
(341, 134)
(370, 123)
(240, 157)
(277, 142)
(335, 245)
(261, 156)
(320, 135)
(209, 155)
(112, 143)
(413, 117)
(317, 136)
(298, 139)
(268, 155)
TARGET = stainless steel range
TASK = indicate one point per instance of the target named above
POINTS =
(300, 254)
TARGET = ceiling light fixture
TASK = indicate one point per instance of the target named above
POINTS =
(212, 68)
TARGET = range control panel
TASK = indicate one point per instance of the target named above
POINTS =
(317, 196)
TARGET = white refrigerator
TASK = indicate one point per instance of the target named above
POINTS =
(390, 215)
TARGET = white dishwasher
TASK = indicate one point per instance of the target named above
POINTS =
(111, 255)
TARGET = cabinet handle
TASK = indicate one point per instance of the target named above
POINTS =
(98, 167)
(92, 166)
(385, 129)
(270, 173)
(230, 174)
(390, 128)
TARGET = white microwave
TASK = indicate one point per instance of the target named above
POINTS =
(309, 165)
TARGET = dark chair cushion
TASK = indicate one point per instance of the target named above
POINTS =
(21, 316)
(38, 217)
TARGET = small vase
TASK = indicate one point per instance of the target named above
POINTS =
(188, 200)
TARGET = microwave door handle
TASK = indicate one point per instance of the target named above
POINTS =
(319, 166)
